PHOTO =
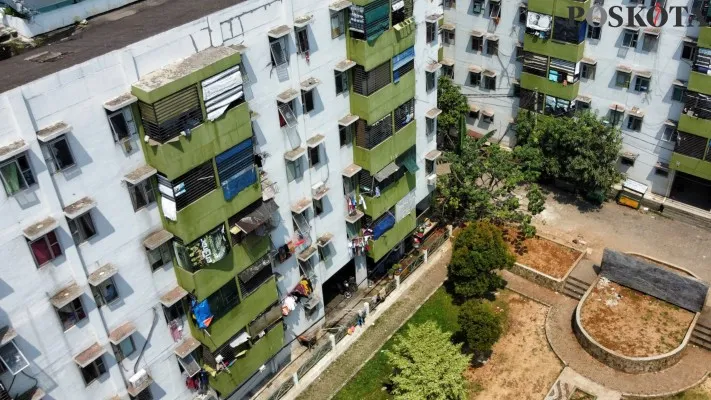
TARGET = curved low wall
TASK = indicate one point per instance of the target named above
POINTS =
(634, 365)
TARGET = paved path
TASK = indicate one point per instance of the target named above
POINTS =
(688, 372)
(569, 380)
(346, 366)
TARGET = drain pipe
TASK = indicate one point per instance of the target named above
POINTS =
(148, 339)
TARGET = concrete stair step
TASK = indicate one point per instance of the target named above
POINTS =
(575, 289)
(577, 281)
(571, 293)
(701, 335)
(702, 328)
(577, 284)
(700, 343)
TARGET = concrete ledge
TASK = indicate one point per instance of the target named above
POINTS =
(543, 279)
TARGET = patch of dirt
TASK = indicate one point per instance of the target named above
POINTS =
(522, 365)
(541, 254)
(580, 395)
(632, 323)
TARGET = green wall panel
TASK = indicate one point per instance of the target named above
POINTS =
(245, 366)
(705, 37)
(699, 82)
(391, 238)
(205, 142)
(561, 7)
(690, 165)
(385, 47)
(384, 101)
(206, 281)
(386, 152)
(223, 329)
(543, 85)
(697, 126)
(376, 206)
(552, 48)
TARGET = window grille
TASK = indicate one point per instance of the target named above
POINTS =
(691, 145)
(369, 136)
(367, 83)
(404, 114)
(167, 118)
(189, 187)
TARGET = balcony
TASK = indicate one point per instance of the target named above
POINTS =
(221, 330)
(206, 140)
(376, 206)
(391, 43)
(206, 281)
(246, 365)
(699, 82)
(379, 248)
(209, 211)
(543, 85)
(386, 152)
(697, 126)
(691, 165)
(552, 48)
(384, 101)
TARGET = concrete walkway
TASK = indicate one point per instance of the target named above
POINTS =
(689, 372)
(569, 380)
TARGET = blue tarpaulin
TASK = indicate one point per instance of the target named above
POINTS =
(403, 58)
(233, 185)
(383, 225)
(235, 167)
(202, 314)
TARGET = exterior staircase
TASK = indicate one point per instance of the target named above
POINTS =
(575, 287)
(701, 335)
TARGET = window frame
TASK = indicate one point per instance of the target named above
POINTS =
(587, 71)
(430, 32)
(448, 37)
(594, 32)
(119, 352)
(284, 44)
(430, 126)
(630, 36)
(99, 292)
(678, 91)
(623, 84)
(492, 47)
(21, 174)
(690, 48)
(95, 367)
(301, 37)
(326, 253)
(314, 155)
(639, 84)
(477, 6)
(297, 169)
(616, 117)
(477, 44)
(650, 42)
(81, 235)
(494, 7)
(340, 17)
(474, 79)
(308, 103)
(489, 82)
(430, 81)
(341, 78)
(162, 250)
(345, 135)
(177, 311)
(144, 187)
(49, 245)
(51, 157)
(76, 308)
(634, 123)
(318, 207)
(127, 114)
(670, 134)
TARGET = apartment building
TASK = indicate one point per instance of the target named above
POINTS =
(647, 80)
(180, 204)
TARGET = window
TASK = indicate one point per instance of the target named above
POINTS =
(678, 92)
(516, 86)
(447, 36)
(582, 106)
(307, 100)
(616, 117)
(492, 47)
(627, 160)
(58, 155)
(629, 38)
(302, 40)
(448, 70)
(490, 82)
(641, 84)
(124, 349)
(555, 106)
(341, 82)
(494, 9)
(225, 299)
(594, 32)
(477, 43)
(430, 81)
(587, 71)
(318, 207)
(474, 114)
(105, 293)
(622, 79)
(338, 24)
(71, 314)
(345, 136)
(430, 126)
(649, 43)
(160, 256)
(519, 51)
(522, 13)
(477, 6)
(403, 63)
(278, 49)
(314, 155)
(141, 194)
(368, 82)
(661, 172)
(569, 31)
(93, 371)
(174, 312)
(286, 114)
(45, 249)
(688, 51)
(255, 275)
(475, 78)
(16, 174)
(122, 124)
(670, 134)
(431, 32)
(294, 169)
(634, 123)
(82, 228)
(12, 359)
(488, 117)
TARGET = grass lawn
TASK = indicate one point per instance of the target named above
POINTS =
(367, 384)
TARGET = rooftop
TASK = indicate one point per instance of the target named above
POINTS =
(105, 33)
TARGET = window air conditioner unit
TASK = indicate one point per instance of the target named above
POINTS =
(432, 179)
(317, 189)
(139, 378)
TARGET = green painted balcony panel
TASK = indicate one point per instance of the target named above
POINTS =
(691, 166)
(543, 85)
(205, 142)
(541, 6)
(228, 325)
(699, 82)
(697, 126)
(386, 152)
(206, 281)
(245, 366)
(376, 206)
(183, 73)
(705, 37)
(384, 101)
(561, 8)
(391, 43)
(379, 248)
(209, 211)
(552, 48)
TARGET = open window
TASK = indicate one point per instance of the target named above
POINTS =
(623, 76)
(302, 40)
(294, 163)
(174, 304)
(121, 339)
(103, 286)
(57, 154)
(477, 38)
(641, 82)
(82, 227)
(634, 122)
(45, 248)
(431, 34)
(11, 357)
(158, 248)
(141, 193)
(338, 23)
(287, 118)
(69, 306)
(307, 101)
(492, 44)
(670, 131)
(630, 36)
(587, 68)
(448, 34)
(341, 78)
(279, 47)
(689, 49)
(489, 79)
(430, 81)
(314, 146)
(678, 90)
(594, 31)
(122, 124)
(16, 174)
(93, 370)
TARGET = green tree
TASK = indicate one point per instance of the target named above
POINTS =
(450, 126)
(427, 365)
(582, 150)
(479, 252)
(480, 325)
(486, 181)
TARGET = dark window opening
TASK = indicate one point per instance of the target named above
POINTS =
(93, 371)
(45, 249)
(569, 31)
(82, 227)
(16, 174)
(223, 300)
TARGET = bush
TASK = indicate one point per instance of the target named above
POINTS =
(481, 326)
(479, 252)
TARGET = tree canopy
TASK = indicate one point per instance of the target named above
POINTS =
(427, 365)
(480, 325)
(479, 252)
(582, 150)
(450, 123)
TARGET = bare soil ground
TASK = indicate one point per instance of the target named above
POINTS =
(542, 254)
(632, 323)
(522, 365)
(580, 395)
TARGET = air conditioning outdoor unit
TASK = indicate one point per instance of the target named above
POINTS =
(317, 188)
(139, 378)
(432, 179)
